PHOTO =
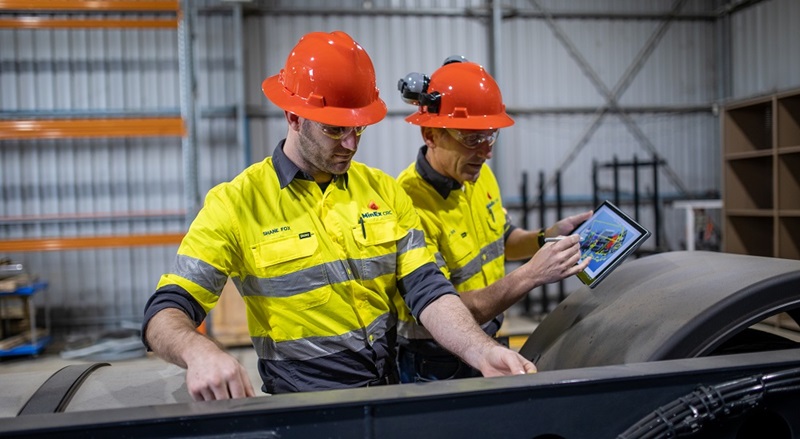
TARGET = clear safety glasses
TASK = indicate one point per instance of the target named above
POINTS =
(473, 139)
(338, 133)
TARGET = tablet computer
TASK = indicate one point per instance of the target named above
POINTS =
(608, 237)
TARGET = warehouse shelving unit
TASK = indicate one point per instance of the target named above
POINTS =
(37, 15)
(761, 169)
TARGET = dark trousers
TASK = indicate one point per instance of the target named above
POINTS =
(419, 367)
(416, 367)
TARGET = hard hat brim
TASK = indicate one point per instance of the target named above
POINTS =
(490, 122)
(347, 117)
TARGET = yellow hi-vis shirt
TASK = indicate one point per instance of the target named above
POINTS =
(318, 271)
(464, 229)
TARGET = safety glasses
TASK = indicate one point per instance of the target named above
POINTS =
(473, 139)
(338, 133)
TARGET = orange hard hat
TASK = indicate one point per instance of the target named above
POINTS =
(460, 95)
(328, 78)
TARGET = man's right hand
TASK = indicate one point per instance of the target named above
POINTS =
(211, 373)
(215, 374)
(558, 260)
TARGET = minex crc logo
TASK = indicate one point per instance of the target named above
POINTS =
(374, 214)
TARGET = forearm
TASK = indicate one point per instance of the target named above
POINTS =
(551, 263)
(172, 335)
(454, 328)
(521, 244)
(488, 302)
(211, 373)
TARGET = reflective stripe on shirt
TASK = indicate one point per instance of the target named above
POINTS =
(314, 347)
(488, 254)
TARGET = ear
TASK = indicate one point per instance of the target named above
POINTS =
(293, 120)
(430, 136)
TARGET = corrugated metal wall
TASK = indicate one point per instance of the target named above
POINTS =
(559, 73)
(552, 58)
(765, 53)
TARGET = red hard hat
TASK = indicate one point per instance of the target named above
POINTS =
(468, 98)
(328, 78)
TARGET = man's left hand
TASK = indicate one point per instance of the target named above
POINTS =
(567, 225)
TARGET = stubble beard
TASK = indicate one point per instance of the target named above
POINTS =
(314, 154)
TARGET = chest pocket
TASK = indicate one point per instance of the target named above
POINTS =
(374, 233)
(273, 253)
(289, 267)
(460, 248)
(496, 217)
(378, 243)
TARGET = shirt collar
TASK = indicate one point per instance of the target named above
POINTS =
(443, 185)
(288, 171)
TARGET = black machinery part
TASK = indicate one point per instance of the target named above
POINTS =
(55, 394)
(666, 306)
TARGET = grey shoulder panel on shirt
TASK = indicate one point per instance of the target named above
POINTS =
(423, 286)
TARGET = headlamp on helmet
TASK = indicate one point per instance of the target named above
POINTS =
(414, 87)
(459, 95)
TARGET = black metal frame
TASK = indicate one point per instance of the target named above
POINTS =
(615, 165)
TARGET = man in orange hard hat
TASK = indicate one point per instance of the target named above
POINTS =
(458, 200)
(320, 248)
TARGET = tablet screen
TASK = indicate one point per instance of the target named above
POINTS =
(608, 237)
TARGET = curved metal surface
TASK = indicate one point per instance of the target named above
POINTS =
(664, 306)
(55, 394)
(127, 383)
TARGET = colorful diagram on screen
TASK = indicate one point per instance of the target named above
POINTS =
(603, 236)
(607, 238)
(601, 240)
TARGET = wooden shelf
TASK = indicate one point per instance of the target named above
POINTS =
(761, 176)
(748, 154)
(749, 183)
(788, 128)
(86, 23)
(751, 235)
(748, 128)
(66, 128)
(789, 181)
(789, 237)
(91, 5)
(769, 213)
(789, 150)
(87, 6)
(88, 242)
